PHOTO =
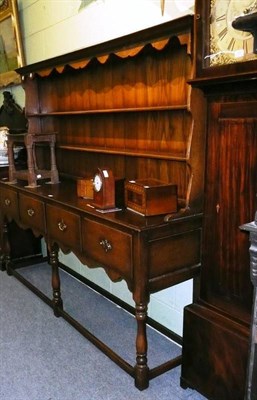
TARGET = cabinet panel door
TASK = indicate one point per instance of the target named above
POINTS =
(231, 187)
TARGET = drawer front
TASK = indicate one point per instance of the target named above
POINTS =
(9, 203)
(63, 226)
(110, 247)
(174, 253)
(32, 212)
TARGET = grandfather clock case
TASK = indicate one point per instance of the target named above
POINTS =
(217, 325)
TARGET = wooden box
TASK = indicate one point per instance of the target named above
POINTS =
(151, 197)
(85, 188)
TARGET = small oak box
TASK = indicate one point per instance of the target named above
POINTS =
(151, 197)
(85, 188)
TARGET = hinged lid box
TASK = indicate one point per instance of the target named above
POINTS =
(151, 197)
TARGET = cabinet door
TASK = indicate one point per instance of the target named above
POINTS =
(231, 185)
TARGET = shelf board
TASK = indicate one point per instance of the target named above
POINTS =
(122, 152)
(111, 111)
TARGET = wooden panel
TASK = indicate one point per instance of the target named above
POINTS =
(32, 213)
(244, 109)
(214, 354)
(163, 132)
(152, 78)
(129, 167)
(130, 109)
(63, 226)
(216, 327)
(9, 203)
(231, 200)
(108, 246)
(165, 253)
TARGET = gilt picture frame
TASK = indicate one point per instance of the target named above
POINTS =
(11, 49)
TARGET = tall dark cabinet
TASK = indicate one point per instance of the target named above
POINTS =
(216, 325)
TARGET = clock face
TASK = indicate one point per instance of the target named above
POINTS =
(228, 45)
(98, 183)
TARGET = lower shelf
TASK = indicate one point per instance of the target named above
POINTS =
(110, 318)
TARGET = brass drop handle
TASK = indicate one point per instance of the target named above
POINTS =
(30, 212)
(62, 226)
(105, 245)
(7, 202)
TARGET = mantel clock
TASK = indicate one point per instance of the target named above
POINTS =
(104, 189)
(220, 48)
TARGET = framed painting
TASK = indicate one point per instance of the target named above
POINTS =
(11, 50)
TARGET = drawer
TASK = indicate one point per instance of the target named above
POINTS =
(107, 246)
(63, 226)
(170, 254)
(32, 212)
(9, 203)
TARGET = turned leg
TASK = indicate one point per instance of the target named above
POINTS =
(29, 143)
(54, 262)
(141, 367)
(6, 255)
(2, 262)
(11, 163)
(54, 171)
(34, 157)
(2, 256)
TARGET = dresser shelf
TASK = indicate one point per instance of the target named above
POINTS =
(110, 111)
